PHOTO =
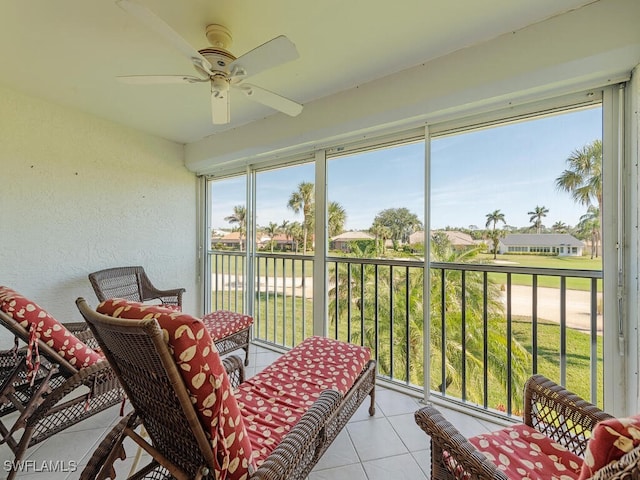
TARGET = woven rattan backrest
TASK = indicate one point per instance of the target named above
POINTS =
(119, 282)
(45, 350)
(539, 392)
(148, 373)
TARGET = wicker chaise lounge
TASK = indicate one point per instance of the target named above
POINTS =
(562, 437)
(231, 331)
(275, 425)
(56, 381)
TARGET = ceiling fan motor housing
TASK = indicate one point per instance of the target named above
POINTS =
(218, 58)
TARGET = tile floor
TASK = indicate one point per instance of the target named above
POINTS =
(388, 445)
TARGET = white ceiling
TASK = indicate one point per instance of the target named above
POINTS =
(70, 51)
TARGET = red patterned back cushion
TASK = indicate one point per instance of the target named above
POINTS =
(522, 452)
(47, 329)
(609, 441)
(205, 378)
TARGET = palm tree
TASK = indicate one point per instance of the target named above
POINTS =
(536, 217)
(285, 227)
(297, 234)
(560, 227)
(336, 218)
(398, 299)
(302, 200)
(474, 329)
(238, 217)
(589, 225)
(272, 230)
(493, 218)
(583, 177)
(382, 234)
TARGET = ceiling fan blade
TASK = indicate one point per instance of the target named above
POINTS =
(270, 54)
(220, 108)
(270, 99)
(159, 79)
(155, 23)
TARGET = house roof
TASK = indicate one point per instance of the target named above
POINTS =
(541, 240)
(459, 239)
(232, 236)
(355, 235)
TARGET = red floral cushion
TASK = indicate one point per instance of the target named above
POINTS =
(43, 326)
(205, 379)
(223, 323)
(273, 401)
(524, 453)
(175, 308)
(610, 440)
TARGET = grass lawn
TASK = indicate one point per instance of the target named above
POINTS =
(540, 261)
(578, 363)
(545, 261)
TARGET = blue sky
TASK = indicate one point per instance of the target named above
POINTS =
(511, 168)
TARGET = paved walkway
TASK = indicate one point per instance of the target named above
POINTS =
(578, 305)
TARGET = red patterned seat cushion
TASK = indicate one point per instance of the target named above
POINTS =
(205, 379)
(223, 323)
(524, 453)
(274, 400)
(41, 324)
(610, 440)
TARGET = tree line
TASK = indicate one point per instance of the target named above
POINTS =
(582, 179)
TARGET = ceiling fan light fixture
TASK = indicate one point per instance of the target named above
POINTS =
(219, 85)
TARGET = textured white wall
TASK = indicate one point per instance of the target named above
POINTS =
(80, 194)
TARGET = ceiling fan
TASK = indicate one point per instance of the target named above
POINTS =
(216, 65)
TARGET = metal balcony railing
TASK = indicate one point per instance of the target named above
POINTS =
(491, 325)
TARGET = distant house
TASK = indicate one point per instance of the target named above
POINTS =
(458, 240)
(561, 244)
(280, 242)
(229, 240)
(341, 242)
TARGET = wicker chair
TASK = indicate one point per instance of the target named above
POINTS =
(178, 445)
(132, 283)
(12, 371)
(54, 396)
(560, 415)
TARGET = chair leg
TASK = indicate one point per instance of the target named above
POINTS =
(100, 464)
(246, 355)
(372, 405)
(20, 451)
(36, 399)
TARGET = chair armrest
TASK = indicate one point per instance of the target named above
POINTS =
(462, 456)
(167, 297)
(100, 380)
(234, 366)
(301, 448)
(560, 414)
(174, 292)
